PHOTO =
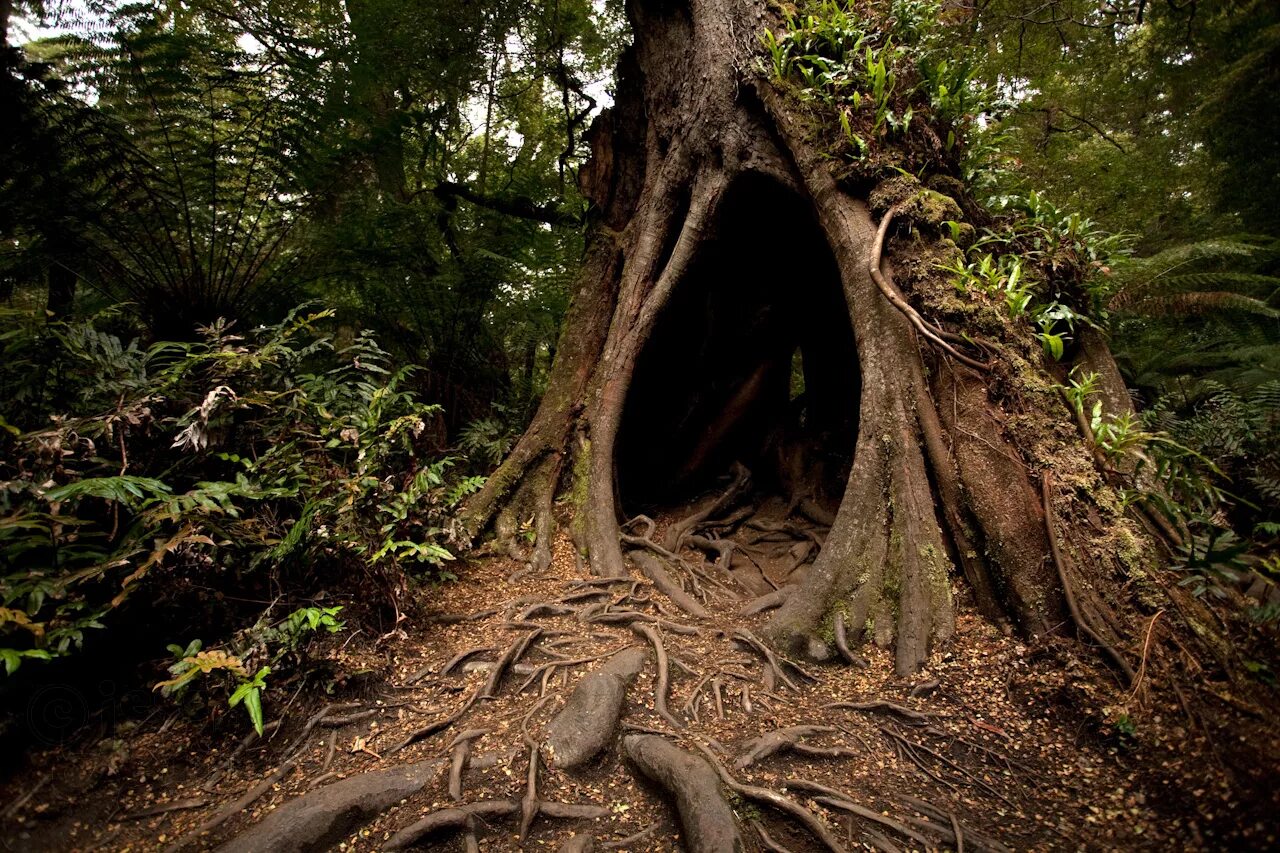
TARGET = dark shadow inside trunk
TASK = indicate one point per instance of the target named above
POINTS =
(752, 360)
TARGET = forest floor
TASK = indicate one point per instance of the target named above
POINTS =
(1008, 744)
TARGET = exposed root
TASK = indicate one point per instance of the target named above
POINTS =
(705, 816)
(545, 608)
(245, 743)
(813, 511)
(979, 841)
(938, 337)
(634, 838)
(722, 549)
(1073, 605)
(838, 799)
(544, 671)
(784, 740)
(513, 653)
(461, 748)
(664, 675)
(842, 643)
(460, 817)
(676, 532)
(776, 664)
(458, 659)
(766, 841)
(178, 805)
(763, 795)
(652, 569)
(911, 748)
(438, 725)
(529, 803)
(768, 601)
(588, 719)
(910, 716)
(455, 618)
(544, 516)
(627, 617)
(243, 802)
(320, 819)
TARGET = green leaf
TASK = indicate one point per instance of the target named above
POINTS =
(253, 704)
(12, 660)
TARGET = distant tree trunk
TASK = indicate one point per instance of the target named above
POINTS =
(61, 296)
(6, 12)
(374, 95)
(948, 462)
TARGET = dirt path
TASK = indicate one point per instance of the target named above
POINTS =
(987, 749)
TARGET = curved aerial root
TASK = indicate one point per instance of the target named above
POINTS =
(935, 335)
(1073, 605)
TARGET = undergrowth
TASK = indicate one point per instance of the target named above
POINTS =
(274, 463)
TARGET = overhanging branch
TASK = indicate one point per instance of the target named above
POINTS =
(512, 205)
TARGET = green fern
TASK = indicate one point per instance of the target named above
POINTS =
(1200, 303)
(1216, 269)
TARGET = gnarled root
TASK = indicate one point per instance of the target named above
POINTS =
(461, 817)
(789, 740)
(705, 816)
(763, 795)
(588, 720)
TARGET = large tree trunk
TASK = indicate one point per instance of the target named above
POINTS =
(949, 460)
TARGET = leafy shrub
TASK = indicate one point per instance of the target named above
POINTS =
(271, 460)
(260, 641)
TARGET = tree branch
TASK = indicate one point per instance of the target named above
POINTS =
(512, 205)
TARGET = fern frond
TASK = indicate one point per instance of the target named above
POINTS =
(1267, 396)
(1250, 284)
(1193, 266)
(1197, 303)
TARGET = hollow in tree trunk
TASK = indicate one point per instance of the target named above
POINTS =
(723, 240)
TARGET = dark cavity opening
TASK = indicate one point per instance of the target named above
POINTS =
(752, 361)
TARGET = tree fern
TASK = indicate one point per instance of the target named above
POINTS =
(1215, 266)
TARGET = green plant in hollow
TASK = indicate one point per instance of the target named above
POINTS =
(836, 55)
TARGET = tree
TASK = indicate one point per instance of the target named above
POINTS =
(1154, 117)
(964, 450)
